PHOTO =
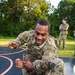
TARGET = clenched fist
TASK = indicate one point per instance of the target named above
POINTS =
(25, 63)
(19, 63)
(28, 65)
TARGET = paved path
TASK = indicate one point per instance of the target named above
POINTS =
(70, 66)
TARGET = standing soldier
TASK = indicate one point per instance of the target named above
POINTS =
(63, 32)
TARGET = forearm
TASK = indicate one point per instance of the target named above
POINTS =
(18, 42)
(54, 65)
(40, 64)
(28, 65)
(22, 38)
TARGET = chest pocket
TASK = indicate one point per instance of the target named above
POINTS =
(36, 54)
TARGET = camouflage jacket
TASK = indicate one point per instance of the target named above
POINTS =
(64, 29)
(46, 51)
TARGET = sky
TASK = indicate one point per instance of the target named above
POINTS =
(54, 2)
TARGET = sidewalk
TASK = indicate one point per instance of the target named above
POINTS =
(70, 65)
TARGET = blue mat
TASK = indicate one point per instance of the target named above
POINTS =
(7, 54)
(12, 54)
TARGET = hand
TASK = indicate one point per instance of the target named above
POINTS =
(19, 63)
(12, 45)
(28, 65)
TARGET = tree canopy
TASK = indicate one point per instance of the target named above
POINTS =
(17, 16)
(66, 10)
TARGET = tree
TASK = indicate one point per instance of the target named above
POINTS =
(20, 15)
(66, 9)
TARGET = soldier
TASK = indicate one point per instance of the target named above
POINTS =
(41, 54)
(63, 33)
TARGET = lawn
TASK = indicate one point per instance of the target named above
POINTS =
(69, 50)
(5, 40)
(67, 53)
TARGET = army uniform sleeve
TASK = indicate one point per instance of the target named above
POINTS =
(64, 27)
(60, 27)
(23, 37)
(53, 66)
(67, 26)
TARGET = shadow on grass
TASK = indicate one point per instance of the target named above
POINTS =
(68, 47)
(68, 52)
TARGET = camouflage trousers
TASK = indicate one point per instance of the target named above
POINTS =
(62, 39)
(57, 67)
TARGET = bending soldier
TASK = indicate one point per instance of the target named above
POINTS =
(41, 54)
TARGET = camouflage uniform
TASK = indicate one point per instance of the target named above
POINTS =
(63, 34)
(47, 52)
(56, 42)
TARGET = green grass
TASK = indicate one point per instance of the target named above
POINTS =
(67, 53)
(5, 40)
